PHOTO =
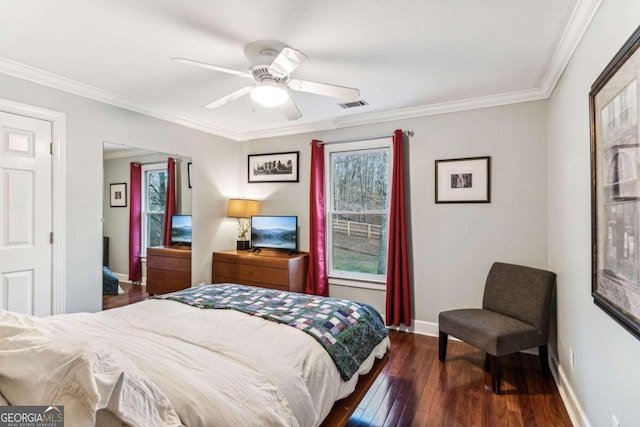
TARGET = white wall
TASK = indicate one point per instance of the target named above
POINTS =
(607, 371)
(116, 219)
(89, 124)
(452, 245)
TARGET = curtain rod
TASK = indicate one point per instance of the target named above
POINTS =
(342, 141)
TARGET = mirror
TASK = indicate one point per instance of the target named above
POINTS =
(117, 161)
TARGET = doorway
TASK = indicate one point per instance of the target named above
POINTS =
(31, 217)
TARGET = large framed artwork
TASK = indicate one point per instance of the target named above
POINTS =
(615, 187)
(273, 167)
(463, 180)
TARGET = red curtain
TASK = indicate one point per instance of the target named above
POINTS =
(135, 203)
(398, 305)
(169, 201)
(317, 283)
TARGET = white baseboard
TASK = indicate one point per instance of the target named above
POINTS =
(418, 327)
(569, 399)
(124, 278)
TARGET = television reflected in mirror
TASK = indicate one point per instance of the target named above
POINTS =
(181, 230)
(274, 232)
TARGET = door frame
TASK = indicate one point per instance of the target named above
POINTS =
(58, 199)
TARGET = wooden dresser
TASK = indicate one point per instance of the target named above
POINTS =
(268, 269)
(168, 269)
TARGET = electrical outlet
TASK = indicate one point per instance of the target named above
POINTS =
(571, 359)
(614, 421)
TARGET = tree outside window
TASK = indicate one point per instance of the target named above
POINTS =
(358, 211)
(153, 200)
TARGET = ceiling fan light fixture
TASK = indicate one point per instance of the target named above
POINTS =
(269, 94)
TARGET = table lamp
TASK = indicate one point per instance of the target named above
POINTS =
(243, 209)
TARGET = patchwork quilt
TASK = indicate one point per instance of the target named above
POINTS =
(347, 330)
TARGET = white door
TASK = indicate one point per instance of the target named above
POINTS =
(25, 216)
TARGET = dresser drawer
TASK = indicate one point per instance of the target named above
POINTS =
(267, 269)
(164, 281)
(169, 263)
(253, 273)
(168, 269)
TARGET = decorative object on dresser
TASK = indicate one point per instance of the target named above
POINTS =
(268, 269)
(168, 269)
(243, 209)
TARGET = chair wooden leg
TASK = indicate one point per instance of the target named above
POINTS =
(544, 360)
(495, 373)
(442, 346)
(487, 363)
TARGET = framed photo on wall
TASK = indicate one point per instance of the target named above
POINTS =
(465, 180)
(273, 167)
(118, 195)
(614, 103)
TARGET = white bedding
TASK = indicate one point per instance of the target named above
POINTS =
(160, 362)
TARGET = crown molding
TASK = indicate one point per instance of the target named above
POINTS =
(581, 17)
(125, 152)
(36, 75)
(403, 113)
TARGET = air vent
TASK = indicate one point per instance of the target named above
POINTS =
(354, 104)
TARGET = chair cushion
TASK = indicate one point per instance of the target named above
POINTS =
(489, 331)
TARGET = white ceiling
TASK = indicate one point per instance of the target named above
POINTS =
(408, 57)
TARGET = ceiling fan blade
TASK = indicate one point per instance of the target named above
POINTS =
(290, 110)
(212, 67)
(287, 60)
(345, 93)
(229, 98)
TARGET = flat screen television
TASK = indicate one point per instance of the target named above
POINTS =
(181, 230)
(274, 232)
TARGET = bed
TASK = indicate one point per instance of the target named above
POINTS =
(183, 359)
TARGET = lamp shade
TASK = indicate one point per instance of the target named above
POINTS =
(269, 94)
(242, 208)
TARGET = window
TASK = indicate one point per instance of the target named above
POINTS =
(154, 188)
(358, 195)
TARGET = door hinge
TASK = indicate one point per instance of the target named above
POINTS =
(51, 147)
(51, 237)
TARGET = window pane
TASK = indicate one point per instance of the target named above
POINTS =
(360, 181)
(359, 243)
(156, 189)
(154, 229)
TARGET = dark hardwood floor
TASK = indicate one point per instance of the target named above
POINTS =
(415, 389)
(132, 293)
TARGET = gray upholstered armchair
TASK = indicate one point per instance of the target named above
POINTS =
(514, 316)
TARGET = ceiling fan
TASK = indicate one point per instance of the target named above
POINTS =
(272, 65)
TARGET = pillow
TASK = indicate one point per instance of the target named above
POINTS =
(109, 282)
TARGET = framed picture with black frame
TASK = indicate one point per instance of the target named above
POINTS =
(614, 106)
(118, 195)
(273, 167)
(466, 180)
